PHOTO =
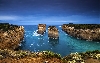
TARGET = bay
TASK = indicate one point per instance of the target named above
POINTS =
(64, 45)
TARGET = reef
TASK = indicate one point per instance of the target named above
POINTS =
(10, 35)
(89, 32)
(53, 32)
(41, 29)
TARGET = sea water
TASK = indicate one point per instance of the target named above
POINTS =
(65, 45)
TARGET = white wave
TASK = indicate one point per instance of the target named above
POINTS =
(26, 35)
(35, 33)
(31, 44)
(35, 49)
(43, 43)
(38, 45)
(46, 30)
(66, 34)
(38, 38)
(27, 31)
(41, 35)
(20, 44)
(59, 26)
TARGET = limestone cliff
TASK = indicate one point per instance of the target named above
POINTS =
(53, 32)
(10, 36)
(86, 32)
(41, 28)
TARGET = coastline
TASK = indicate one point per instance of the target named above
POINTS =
(11, 56)
(90, 32)
(11, 36)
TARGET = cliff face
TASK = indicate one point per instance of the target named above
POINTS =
(11, 56)
(41, 28)
(10, 38)
(86, 34)
(53, 32)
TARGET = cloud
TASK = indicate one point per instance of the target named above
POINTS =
(36, 19)
(40, 18)
(43, 21)
(9, 17)
(32, 19)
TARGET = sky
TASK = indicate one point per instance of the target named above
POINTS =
(50, 12)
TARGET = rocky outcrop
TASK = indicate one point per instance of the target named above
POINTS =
(53, 32)
(20, 56)
(10, 36)
(86, 34)
(41, 28)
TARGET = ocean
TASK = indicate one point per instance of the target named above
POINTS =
(65, 45)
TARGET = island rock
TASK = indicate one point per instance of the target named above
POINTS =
(41, 28)
(53, 32)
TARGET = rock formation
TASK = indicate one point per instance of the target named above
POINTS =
(53, 32)
(10, 36)
(86, 34)
(41, 28)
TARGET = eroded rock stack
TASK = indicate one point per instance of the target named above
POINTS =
(86, 34)
(41, 28)
(53, 32)
(10, 36)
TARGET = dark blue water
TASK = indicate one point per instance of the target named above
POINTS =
(64, 45)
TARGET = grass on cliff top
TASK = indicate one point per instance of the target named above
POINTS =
(6, 53)
(22, 54)
(7, 26)
(83, 26)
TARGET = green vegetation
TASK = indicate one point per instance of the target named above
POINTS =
(48, 54)
(73, 57)
(83, 56)
(21, 54)
(7, 26)
(90, 54)
(84, 26)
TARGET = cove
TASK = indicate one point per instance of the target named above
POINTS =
(64, 45)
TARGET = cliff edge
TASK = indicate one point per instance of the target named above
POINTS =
(89, 32)
(10, 35)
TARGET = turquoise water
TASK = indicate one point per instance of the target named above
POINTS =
(64, 45)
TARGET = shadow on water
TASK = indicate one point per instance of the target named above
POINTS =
(41, 38)
(21, 45)
(53, 42)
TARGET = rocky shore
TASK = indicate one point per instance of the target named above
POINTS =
(89, 32)
(10, 35)
(11, 56)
